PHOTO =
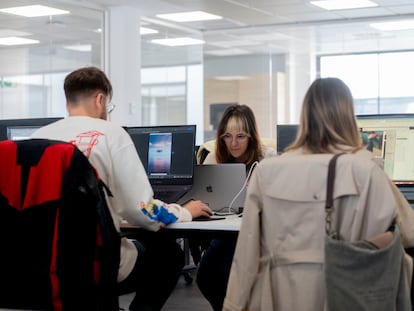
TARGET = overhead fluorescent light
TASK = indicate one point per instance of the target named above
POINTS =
(13, 33)
(194, 16)
(34, 11)
(228, 52)
(231, 78)
(343, 4)
(178, 41)
(147, 31)
(396, 25)
(233, 43)
(79, 47)
(17, 41)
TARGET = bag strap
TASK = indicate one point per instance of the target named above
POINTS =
(329, 191)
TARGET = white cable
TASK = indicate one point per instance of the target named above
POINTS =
(230, 212)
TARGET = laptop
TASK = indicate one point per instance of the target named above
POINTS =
(221, 186)
(167, 154)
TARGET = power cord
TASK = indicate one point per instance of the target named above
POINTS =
(231, 211)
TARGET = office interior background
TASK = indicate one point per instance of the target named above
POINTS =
(263, 53)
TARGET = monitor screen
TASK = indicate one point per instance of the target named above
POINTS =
(20, 132)
(285, 135)
(391, 137)
(22, 128)
(166, 152)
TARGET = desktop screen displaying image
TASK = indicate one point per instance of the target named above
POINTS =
(159, 154)
(390, 137)
(393, 140)
(374, 142)
(166, 152)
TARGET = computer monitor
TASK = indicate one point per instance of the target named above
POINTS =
(166, 152)
(285, 135)
(393, 140)
(16, 129)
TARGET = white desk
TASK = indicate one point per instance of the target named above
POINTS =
(229, 226)
(230, 223)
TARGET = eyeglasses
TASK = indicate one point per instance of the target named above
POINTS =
(239, 137)
(110, 107)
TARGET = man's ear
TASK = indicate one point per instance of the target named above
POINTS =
(100, 100)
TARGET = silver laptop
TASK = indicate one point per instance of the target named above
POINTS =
(221, 186)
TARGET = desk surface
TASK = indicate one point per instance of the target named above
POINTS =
(229, 226)
(230, 223)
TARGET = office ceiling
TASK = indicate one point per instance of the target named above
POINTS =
(248, 26)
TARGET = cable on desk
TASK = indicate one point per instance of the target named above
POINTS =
(231, 210)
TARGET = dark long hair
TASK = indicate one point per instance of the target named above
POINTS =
(240, 118)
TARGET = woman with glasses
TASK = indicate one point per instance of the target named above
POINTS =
(237, 141)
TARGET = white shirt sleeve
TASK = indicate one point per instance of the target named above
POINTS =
(133, 196)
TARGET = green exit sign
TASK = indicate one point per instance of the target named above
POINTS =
(6, 84)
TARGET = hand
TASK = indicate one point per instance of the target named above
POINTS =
(198, 208)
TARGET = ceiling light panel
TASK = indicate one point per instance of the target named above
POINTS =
(79, 47)
(228, 52)
(194, 16)
(232, 43)
(178, 41)
(231, 78)
(33, 11)
(13, 33)
(17, 41)
(344, 4)
(395, 25)
(147, 31)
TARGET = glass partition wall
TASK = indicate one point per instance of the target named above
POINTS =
(254, 77)
(267, 67)
(32, 72)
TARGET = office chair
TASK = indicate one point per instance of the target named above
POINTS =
(59, 247)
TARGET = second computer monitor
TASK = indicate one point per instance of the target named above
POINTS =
(17, 129)
(167, 152)
(285, 135)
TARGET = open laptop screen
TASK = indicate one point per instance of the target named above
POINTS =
(167, 152)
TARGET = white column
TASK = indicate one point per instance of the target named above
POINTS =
(195, 100)
(123, 63)
(299, 76)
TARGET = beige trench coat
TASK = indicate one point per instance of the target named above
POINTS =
(278, 263)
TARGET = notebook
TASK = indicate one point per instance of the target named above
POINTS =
(167, 154)
(217, 185)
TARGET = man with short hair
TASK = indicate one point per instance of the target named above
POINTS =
(150, 266)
